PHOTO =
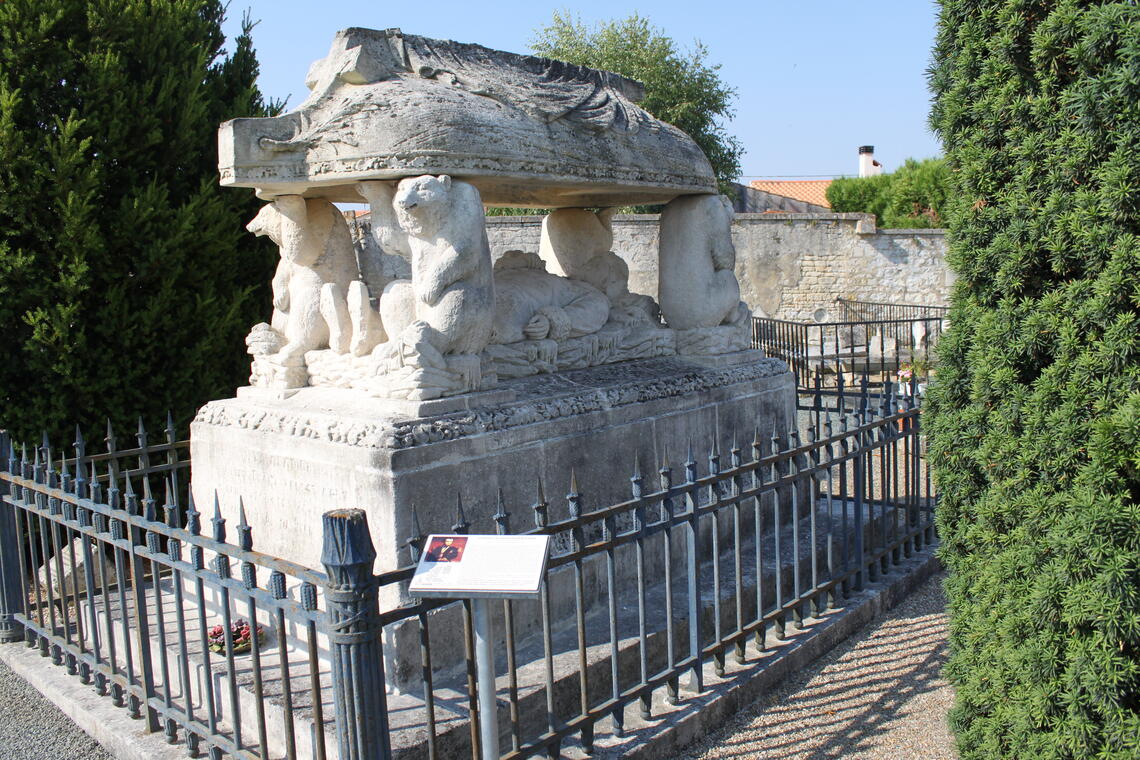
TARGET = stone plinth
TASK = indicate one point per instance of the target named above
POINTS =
(290, 457)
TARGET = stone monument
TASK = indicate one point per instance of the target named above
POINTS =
(471, 377)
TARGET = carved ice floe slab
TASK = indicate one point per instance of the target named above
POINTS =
(525, 131)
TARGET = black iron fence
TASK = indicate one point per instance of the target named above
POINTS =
(729, 549)
(206, 640)
(240, 654)
(874, 311)
(879, 351)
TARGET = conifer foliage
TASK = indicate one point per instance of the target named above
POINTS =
(127, 281)
(1035, 414)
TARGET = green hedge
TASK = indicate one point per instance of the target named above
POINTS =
(127, 281)
(1035, 417)
(912, 196)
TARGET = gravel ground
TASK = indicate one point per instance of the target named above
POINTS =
(31, 728)
(878, 696)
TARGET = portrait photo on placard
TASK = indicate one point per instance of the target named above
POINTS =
(446, 549)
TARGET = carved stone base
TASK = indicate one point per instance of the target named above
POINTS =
(291, 459)
(293, 456)
(265, 372)
(719, 340)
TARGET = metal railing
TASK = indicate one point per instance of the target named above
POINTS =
(874, 311)
(728, 552)
(850, 352)
(125, 592)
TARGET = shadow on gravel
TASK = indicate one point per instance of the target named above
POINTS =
(870, 698)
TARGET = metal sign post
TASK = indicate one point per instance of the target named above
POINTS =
(485, 675)
(482, 568)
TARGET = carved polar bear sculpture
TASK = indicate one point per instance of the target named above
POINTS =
(452, 287)
(318, 263)
(696, 284)
(576, 243)
(532, 304)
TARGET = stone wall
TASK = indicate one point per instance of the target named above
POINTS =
(789, 265)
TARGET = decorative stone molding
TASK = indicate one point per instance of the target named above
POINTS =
(611, 386)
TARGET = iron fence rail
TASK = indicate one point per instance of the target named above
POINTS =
(128, 591)
(876, 311)
(848, 352)
(132, 598)
(776, 533)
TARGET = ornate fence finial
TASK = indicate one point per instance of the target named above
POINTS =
(169, 511)
(46, 446)
(501, 516)
(150, 504)
(541, 507)
(193, 517)
(462, 525)
(415, 541)
(245, 532)
(218, 522)
(65, 475)
(95, 488)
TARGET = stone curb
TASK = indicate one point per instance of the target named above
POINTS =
(118, 733)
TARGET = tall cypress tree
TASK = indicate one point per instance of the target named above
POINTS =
(127, 280)
(1035, 415)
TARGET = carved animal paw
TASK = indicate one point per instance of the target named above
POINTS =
(537, 328)
(263, 340)
(416, 347)
(558, 320)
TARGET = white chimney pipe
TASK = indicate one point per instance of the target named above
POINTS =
(868, 166)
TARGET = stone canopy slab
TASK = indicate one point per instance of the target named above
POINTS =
(525, 131)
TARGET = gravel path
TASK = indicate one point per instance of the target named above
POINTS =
(878, 696)
(31, 728)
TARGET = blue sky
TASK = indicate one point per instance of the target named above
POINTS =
(815, 79)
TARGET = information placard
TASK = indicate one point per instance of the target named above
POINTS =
(458, 566)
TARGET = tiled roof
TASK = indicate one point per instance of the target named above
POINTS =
(807, 190)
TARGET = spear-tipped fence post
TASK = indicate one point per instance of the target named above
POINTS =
(112, 453)
(11, 586)
(692, 543)
(415, 542)
(354, 631)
